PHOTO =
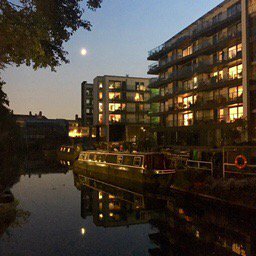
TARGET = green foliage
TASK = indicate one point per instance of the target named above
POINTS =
(33, 31)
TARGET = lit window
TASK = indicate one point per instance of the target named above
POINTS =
(220, 56)
(188, 101)
(235, 72)
(100, 118)
(188, 119)
(100, 85)
(114, 95)
(140, 86)
(100, 106)
(232, 52)
(218, 75)
(100, 95)
(114, 85)
(100, 195)
(115, 107)
(235, 113)
(115, 118)
(235, 92)
(221, 114)
(187, 51)
(195, 80)
(138, 97)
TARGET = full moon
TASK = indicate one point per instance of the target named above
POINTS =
(83, 51)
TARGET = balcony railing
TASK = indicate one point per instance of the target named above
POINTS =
(167, 45)
(156, 50)
(217, 100)
(210, 23)
(199, 29)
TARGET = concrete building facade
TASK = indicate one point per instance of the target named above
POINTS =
(120, 107)
(206, 79)
(87, 103)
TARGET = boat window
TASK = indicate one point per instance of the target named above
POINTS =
(119, 159)
(68, 150)
(158, 162)
(128, 160)
(100, 157)
(111, 159)
(137, 161)
(91, 157)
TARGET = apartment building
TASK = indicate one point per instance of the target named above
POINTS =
(206, 79)
(121, 107)
(87, 103)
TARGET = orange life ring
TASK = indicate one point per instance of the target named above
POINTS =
(238, 164)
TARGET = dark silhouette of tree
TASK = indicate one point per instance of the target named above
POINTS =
(32, 32)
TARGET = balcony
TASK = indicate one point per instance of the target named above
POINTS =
(156, 67)
(159, 51)
(209, 27)
(213, 102)
(204, 29)
(204, 48)
(153, 68)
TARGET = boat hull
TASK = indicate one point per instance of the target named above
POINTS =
(116, 174)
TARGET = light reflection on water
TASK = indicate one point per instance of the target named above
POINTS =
(52, 211)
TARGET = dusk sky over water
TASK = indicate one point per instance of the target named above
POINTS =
(123, 32)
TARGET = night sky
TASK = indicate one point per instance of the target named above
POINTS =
(123, 32)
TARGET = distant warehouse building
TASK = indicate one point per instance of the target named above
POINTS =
(120, 107)
(40, 132)
(206, 79)
(46, 131)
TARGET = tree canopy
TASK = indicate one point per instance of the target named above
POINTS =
(32, 32)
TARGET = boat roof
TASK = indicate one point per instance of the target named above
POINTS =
(122, 153)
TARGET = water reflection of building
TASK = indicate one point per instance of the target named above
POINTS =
(181, 226)
(194, 229)
(112, 207)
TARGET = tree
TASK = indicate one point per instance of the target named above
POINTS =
(32, 32)
(4, 109)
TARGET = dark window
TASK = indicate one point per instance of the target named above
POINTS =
(137, 161)
(158, 162)
(234, 9)
(128, 160)
(111, 159)
(91, 156)
(119, 159)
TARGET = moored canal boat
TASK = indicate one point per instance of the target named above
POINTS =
(137, 167)
(69, 153)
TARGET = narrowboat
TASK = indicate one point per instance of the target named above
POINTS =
(137, 167)
(69, 153)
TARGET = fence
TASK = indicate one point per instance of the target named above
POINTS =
(229, 160)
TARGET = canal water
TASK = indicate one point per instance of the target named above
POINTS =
(47, 209)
